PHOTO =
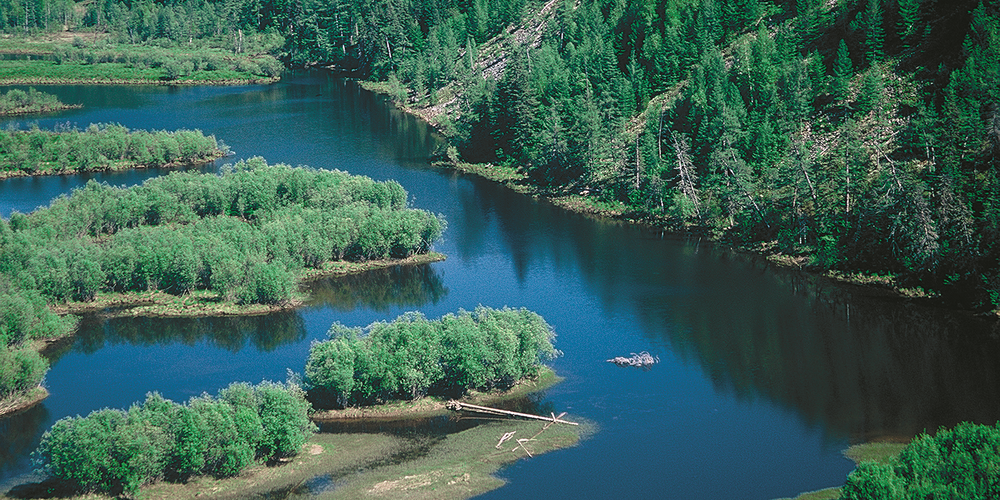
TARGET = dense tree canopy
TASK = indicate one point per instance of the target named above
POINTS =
(413, 356)
(954, 463)
(115, 451)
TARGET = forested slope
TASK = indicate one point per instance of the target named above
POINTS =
(858, 135)
(861, 136)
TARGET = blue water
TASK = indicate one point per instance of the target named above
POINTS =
(765, 374)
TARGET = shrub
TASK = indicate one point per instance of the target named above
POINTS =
(115, 451)
(412, 356)
(963, 462)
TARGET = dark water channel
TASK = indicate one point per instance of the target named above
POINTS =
(765, 374)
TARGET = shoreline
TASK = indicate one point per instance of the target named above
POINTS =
(19, 402)
(138, 81)
(207, 303)
(22, 112)
(365, 464)
(432, 406)
(580, 203)
(118, 167)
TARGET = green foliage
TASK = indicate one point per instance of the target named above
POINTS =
(16, 102)
(116, 452)
(412, 356)
(249, 234)
(963, 462)
(100, 147)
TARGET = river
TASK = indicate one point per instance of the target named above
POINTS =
(766, 374)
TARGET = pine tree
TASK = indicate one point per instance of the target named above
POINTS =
(843, 69)
(907, 16)
(874, 32)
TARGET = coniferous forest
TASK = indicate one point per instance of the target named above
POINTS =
(850, 135)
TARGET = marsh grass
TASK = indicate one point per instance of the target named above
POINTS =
(461, 465)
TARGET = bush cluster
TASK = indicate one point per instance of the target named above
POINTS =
(17, 101)
(247, 233)
(99, 146)
(413, 356)
(963, 462)
(24, 316)
(176, 63)
(116, 452)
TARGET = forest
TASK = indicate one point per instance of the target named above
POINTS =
(854, 135)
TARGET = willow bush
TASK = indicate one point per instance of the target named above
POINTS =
(963, 462)
(413, 356)
(248, 233)
(100, 146)
(118, 451)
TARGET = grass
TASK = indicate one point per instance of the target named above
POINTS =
(17, 402)
(461, 465)
(48, 72)
(361, 465)
(432, 406)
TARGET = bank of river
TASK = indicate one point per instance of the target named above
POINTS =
(202, 303)
(119, 166)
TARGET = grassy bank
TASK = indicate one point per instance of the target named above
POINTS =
(18, 102)
(880, 452)
(86, 60)
(433, 406)
(454, 467)
(18, 402)
(199, 303)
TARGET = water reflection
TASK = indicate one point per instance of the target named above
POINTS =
(19, 435)
(379, 289)
(849, 360)
(266, 333)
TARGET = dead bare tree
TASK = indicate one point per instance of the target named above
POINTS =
(687, 177)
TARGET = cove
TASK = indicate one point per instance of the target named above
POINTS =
(766, 374)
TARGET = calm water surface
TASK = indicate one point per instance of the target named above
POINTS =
(765, 374)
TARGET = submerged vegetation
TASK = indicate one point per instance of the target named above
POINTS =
(116, 452)
(413, 356)
(20, 102)
(101, 147)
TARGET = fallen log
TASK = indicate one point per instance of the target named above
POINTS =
(459, 406)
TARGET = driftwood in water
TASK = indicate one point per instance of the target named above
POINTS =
(459, 406)
(641, 360)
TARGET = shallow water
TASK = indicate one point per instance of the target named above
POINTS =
(765, 376)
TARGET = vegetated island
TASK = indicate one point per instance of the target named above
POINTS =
(19, 102)
(953, 463)
(235, 243)
(101, 147)
(256, 439)
(103, 60)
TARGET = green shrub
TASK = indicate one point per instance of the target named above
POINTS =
(412, 356)
(116, 452)
(963, 462)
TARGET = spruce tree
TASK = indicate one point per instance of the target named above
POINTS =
(874, 33)
(843, 68)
